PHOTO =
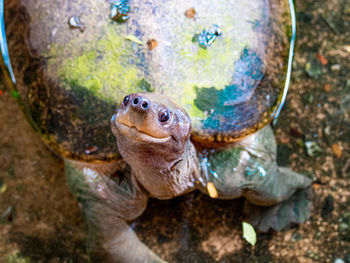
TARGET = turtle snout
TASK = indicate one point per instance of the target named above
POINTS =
(140, 103)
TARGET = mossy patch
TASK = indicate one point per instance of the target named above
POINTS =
(223, 106)
(107, 67)
(16, 257)
(211, 67)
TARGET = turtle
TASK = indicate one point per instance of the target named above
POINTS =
(155, 99)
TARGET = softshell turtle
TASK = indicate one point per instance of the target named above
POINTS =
(204, 81)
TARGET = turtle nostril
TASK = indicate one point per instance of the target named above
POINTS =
(144, 105)
(135, 101)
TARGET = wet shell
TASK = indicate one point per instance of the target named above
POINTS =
(227, 67)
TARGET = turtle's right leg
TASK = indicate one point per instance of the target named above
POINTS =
(108, 198)
(249, 169)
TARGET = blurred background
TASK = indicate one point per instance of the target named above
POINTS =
(40, 220)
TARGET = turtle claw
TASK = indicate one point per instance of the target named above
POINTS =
(294, 210)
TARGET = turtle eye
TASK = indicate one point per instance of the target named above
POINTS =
(164, 115)
(126, 100)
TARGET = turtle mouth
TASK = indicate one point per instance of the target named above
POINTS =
(134, 134)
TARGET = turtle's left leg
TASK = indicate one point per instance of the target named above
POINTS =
(249, 169)
(109, 198)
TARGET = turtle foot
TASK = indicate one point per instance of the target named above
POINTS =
(294, 210)
(109, 199)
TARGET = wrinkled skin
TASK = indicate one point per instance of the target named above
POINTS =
(160, 153)
(161, 161)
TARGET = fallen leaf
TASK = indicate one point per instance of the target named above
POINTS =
(3, 188)
(322, 59)
(327, 88)
(337, 150)
(133, 39)
(249, 233)
(213, 193)
(316, 186)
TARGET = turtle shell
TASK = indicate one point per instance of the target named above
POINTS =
(225, 62)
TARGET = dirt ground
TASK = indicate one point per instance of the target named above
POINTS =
(40, 220)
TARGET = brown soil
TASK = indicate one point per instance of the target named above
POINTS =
(45, 225)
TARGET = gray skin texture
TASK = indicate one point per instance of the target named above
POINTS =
(161, 161)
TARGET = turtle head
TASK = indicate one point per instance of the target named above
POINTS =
(151, 130)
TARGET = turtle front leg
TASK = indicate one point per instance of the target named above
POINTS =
(108, 197)
(249, 169)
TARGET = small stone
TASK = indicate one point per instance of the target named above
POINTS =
(337, 150)
(10, 172)
(327, 88)
(347, 83)
(288, 236)
(74, 23)
(296, 237)
(7, 215)
(190, 13)
(312, 148)
(343, 227)
(345, 102)
(327, 206)
(345, 168)
(327, 130)
(21, 187)
(318, 235)
(335, 67)
(152, 44)
(295, 131)
(339, 260)
(320, 116)
(347, 48)
(312, 254)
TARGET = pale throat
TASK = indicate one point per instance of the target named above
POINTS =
(165, 180)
